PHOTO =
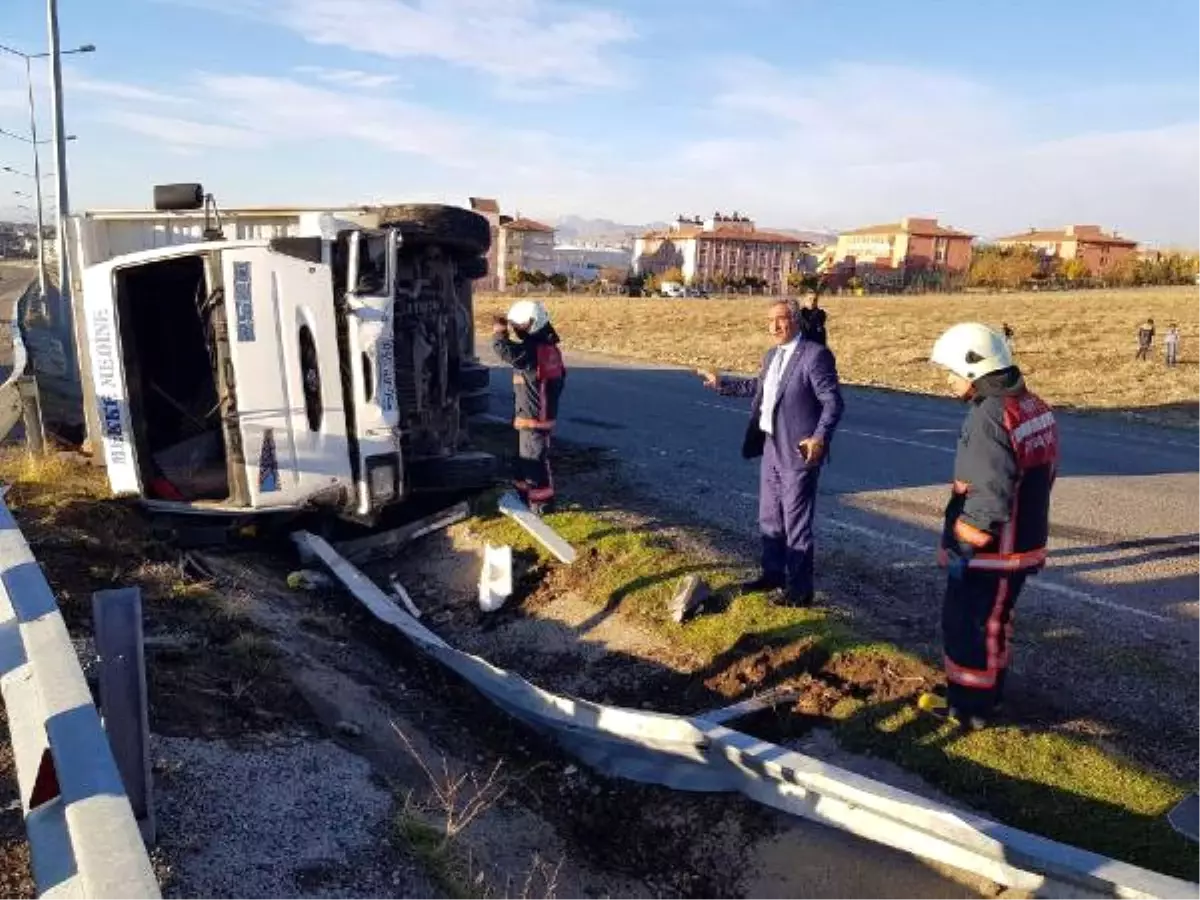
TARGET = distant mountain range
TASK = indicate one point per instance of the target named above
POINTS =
(577, 229)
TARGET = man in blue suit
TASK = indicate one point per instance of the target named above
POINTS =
(796, 409)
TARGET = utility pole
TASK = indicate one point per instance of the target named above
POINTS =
(62, 318)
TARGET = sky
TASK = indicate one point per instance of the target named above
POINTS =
(993, 115)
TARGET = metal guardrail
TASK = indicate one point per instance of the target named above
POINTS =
(697, 753)
(83, 838)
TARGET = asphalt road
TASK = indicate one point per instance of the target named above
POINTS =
(1125, 510)
(14, 278)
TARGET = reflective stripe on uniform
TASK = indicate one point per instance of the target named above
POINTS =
(968, 533)
(972, 678)
(534, 424)
(1007, 562)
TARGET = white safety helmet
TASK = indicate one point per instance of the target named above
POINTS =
(971, 350)
(530, 315)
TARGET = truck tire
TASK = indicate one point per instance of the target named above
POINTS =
(468, 471)
(473, 377)
(476, 403)
(447, 226)
(473, 267)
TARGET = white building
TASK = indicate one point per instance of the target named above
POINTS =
(583, 262)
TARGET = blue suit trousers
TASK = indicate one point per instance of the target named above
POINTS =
(786, 502)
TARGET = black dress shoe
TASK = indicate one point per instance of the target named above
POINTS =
(787, 599)
(762, 583)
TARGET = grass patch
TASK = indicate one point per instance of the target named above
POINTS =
(1063, 339)
(1050, 784)
(1062, 787)
(635, 573)
(439, 858)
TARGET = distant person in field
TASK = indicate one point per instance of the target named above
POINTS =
(1145, 339)
(1008, 336)
(1171, 342)
(812, 321)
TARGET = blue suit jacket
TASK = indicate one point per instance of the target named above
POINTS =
(810, 401)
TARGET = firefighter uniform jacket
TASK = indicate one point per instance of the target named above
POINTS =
(538, 377)
(998, 517)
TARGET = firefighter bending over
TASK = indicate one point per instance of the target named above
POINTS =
(997, 519)
(538, 377)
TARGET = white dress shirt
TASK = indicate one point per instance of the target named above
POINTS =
(773, 382)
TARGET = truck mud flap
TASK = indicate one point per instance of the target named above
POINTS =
(476, 403)
(472, 377)
(462, 472)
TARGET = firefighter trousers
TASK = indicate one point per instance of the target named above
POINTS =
(534, 481)
(977, 629)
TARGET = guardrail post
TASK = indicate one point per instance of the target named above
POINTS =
(31, 415)
(117, 623)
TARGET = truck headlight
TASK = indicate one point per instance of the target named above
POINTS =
(383, 478)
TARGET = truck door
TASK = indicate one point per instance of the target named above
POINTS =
(283, 344)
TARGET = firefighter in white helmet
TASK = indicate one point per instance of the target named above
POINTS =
(998, 518)
(538, 378)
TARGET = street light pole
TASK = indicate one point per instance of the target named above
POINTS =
(37, 176)
(63, 313)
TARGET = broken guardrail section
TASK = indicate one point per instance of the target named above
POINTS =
(701, 754)
(83, 838)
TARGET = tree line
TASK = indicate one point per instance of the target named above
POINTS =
(1022, 267)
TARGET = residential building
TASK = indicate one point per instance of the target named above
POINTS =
(718, 249)
(490, 210)
(525, 245)
(1097, 250)
(901, 248)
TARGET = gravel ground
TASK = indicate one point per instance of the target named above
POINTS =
(301, 818)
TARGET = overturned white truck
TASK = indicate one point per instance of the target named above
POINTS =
(264, 360)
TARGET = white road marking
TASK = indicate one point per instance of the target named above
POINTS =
(1082, 597)
(925, 549)
(895, 440)
(1038, 582)
(721, 406)
(866, 434)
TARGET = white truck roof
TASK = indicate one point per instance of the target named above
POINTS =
(96, 236)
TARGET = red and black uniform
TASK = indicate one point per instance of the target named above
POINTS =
(996, 528)
(538, 377)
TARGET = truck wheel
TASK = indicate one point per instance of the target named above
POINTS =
(476, 403)
(447, 226)
(473, 377)
(468, 471)
(473, 267)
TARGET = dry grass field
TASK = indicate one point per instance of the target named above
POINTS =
(1076, 348)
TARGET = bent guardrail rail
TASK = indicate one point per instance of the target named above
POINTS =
(695, 753)
(83, 839)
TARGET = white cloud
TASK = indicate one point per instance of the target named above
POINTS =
(351, 78)
(527, 47)
(183, 133)
(119, 90)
